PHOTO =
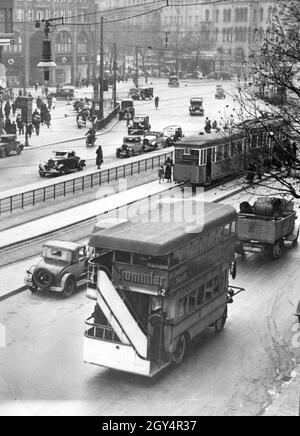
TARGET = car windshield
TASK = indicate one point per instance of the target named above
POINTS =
(139, 119)
(196, 102)
(131, 140)
(59, 155)
(150, 138)
(58, 254)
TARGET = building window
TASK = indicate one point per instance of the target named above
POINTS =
(63, 42)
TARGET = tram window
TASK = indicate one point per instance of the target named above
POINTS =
(219, 154)
(233, 149)
(203, 160)
(208, 290)
(200, 296)
(214, 154)
(122, 257)
(175, 258)
(192, 301)
(216, 285)
(185, 252)
(227, 229)
(226, 151)
(186, 152)
(240, 145)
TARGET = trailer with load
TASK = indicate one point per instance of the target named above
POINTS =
(264, 227)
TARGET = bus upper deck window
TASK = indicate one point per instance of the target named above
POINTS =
(227, 230)
(185, 252)
(175, 258)
(122, 257)
(233, 228)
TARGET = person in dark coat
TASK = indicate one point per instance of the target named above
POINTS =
(8, 125)
(7, 109)
(13, 128)
(168, 169)
(39, 102)
(20, 124)
(99, 159)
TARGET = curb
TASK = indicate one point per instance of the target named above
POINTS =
(70, 140)
(224, 197)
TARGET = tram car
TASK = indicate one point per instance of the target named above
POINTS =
(203, 159)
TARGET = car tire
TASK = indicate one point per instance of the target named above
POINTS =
(80, 167)
(19, 151)
(63, 171)
(41, 174)
(180, 350)
(43, 278)
(69, 286)
(220, 323)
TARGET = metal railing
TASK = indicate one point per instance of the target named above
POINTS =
(62, 189)
(97, 331)
(105, 121)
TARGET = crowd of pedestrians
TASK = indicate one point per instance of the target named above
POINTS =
(14, 121)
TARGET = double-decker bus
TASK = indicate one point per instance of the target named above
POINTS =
(157, 284)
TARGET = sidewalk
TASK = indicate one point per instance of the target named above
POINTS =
(287, 401)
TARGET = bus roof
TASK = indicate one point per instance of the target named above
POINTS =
(158, 238)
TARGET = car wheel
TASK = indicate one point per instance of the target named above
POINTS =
(80, 167)
(43, 278)
(33, 289)
(19, 151)
(41, 174)
(63, 171)
(278, 249)
(180, 350)
(69, 287)
(3, 154)
(220, 323)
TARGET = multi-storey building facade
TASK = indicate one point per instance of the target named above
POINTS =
(73, 43)
(224, 32)
(6, 33)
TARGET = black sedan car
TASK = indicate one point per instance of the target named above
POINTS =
(61, 163)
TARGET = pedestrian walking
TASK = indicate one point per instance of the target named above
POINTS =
(48, 119)
(49, 102)
(99, 158)
(36, 121)
(207, 127)
(168, 169)
(53, 102)
(7, 109)
(161, 174)
(20, 124)
(156, 101)
(7, 125)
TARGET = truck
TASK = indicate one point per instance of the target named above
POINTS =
(265, 227)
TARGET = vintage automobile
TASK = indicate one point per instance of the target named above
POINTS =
(61, 163)
(63, 93)
(146, 93)
(173, 82)
(9, 144)
(134, 94)
(220, 75)
(196, 106)
(132, 145)
(62, 268)
(127, 110)
(139, 125)
(264, 227)
(153, 140)
(172, 134)
(220, 93)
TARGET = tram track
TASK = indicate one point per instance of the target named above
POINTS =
(80, 230)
